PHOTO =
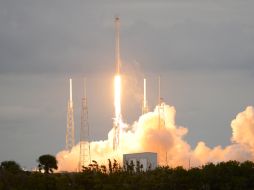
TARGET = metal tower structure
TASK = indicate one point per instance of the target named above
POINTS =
(117, 119)
(116, 135)
(145, 104)
(70, 139)
(84, 155)
(161, 115)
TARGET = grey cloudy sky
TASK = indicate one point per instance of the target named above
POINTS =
(202, 49)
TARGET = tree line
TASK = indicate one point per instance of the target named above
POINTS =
(221, 176)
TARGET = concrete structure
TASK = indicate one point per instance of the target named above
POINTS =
(147, 160)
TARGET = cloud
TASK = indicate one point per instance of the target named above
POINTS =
(166, 138)
(243, 128)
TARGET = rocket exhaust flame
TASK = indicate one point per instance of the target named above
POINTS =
(117, 102)
(118, 115)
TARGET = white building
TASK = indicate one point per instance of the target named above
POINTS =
(145, 160)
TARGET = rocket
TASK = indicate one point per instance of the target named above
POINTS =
(117, 45)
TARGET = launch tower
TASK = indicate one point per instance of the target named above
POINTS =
(70, 139)
(161, 115)
(161, 105)
(85, 156)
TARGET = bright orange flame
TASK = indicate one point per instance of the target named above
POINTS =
(117, 101)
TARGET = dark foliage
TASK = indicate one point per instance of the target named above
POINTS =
(47, 163)
(10, 166)
(222, 176)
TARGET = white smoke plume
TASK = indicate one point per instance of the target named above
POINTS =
(163, 136)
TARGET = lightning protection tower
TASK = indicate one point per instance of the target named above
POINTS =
(70, 139)
(161, 105)
(145, 104)
(161, 115)
(84, 156)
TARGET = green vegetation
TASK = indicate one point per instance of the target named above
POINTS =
(222, 176)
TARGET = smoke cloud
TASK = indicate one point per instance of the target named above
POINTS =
(157, 132)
